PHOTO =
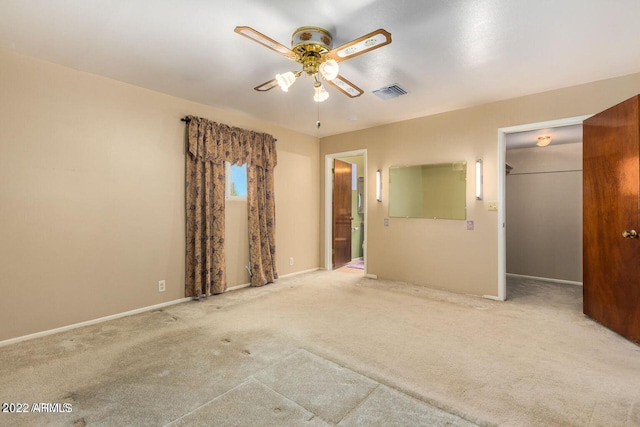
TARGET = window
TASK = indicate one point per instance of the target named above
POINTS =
(235, 181)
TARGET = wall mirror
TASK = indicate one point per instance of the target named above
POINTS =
(437, 191)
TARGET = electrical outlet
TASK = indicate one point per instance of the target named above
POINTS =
(493, 206)
(161, 285)
(291, 261)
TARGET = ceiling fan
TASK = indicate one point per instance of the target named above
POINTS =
(312, 47)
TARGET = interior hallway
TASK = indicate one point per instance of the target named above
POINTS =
(329, 348)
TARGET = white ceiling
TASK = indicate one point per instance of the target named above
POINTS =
(447, 54)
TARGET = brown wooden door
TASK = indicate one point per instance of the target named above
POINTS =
(611, 206)
(341, 213)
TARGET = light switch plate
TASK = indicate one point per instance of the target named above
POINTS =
(493, 206)
(470, 225)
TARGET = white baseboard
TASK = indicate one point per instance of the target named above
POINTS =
(91, 322)
(371, 276)
(236, 287)
(311, 270)
(545, 279)
(247, 285)
(492, 297)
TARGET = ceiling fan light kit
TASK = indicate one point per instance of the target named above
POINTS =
(320, 94)
(312, 47)
(329, 69)
(286, 80)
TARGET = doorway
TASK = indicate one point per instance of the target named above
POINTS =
(502, 172)
(359, 230)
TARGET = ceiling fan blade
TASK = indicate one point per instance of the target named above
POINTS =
(258, 37)
(346, 87)
(360, 45)
(267, 85)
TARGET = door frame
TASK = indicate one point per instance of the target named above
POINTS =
(502, 155)
(328, 203)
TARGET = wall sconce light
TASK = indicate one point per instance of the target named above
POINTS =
(379, 185)
(479, 179)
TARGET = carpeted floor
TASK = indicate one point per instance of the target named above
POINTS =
(331, 348)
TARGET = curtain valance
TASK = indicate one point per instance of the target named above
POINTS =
(212, 142)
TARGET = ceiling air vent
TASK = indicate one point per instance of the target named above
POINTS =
(391, 91)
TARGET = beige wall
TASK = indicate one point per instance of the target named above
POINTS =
(92, 196)
(442, 253)
(544, 212)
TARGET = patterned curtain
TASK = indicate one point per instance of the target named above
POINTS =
(209, 145)
(262, 218)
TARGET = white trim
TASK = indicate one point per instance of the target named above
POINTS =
(236, 287)
(311, 270)
(502, 235)
(495, 298)
(328, 203)
(545, 279)
(91, 322)
(371, 276)
(248, 285)
(502, 152)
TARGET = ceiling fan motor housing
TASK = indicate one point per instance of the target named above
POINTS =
(310, 44)
(304, 36)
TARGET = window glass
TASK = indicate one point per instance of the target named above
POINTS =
(236, 181)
